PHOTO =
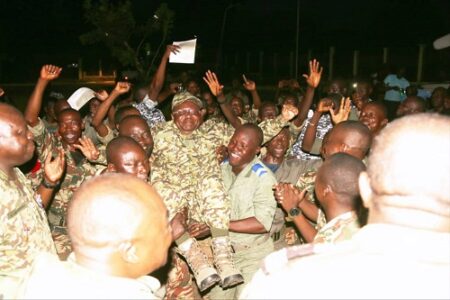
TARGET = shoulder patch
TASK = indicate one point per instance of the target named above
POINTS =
(259, 169)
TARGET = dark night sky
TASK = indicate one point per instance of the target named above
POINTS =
(35, 32)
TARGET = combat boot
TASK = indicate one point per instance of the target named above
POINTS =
(223, 260)
(205, 274)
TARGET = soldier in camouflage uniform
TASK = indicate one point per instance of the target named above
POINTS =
(406, 240)
(336, 188)
(351, 137)
(24, 228)
(66, 138)
(184, 162)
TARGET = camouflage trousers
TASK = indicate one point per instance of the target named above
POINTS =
(62, 242)
(205, 198)
(180, 282)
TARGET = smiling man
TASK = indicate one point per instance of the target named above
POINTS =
(249, 183)
(66, 137)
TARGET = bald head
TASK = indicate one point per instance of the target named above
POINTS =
(400, 178)
(341, 172)
(396, 165)
(254, 131)
(351, 137)
(119, 215)
(411, 105)
(137, 128)
(121, 144)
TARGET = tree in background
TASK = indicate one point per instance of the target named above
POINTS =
(129, 42)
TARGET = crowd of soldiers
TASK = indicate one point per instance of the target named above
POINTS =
(232, 198)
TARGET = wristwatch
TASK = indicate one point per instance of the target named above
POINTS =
(295, 211)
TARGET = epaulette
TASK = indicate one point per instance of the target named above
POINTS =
(279, 259)
(259, 169)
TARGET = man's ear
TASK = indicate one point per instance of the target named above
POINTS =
(83, 124)
(128, 252)
(365, 189)
(203, 112)
(111, 168)
(328, 189)
(343, 148)
(384, 123)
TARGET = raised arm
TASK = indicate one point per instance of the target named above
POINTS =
(47, 74)
(250, 86)
(217, 90)
(310, 133)
(313, 80)
(160, 75)
(102, 111)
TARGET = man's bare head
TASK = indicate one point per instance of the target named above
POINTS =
(408, 173)
(119, 222)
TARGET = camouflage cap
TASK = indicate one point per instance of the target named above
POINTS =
(185, 96)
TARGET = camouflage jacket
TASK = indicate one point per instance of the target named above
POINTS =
(341, 228)
(24, 229)
(182, 159)
(75, 174)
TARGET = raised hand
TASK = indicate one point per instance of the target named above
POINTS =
(288, 196)
(213, 83)
(288, 112)
(122, 87)
(324, 105)
(50, 72)
(249, 85)
(343, 113)
(221, 153)
(87, 147)
(171, 49)
(54, 168)
(101, 95)
(315, 73)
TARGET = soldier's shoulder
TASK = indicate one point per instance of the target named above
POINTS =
(260, 170)
(289, 256)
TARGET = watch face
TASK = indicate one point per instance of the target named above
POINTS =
(294, 211)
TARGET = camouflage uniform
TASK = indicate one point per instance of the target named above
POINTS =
(381, 261)
(74, 175)
(24, 230)
(186, 166)
(341, 228)
(180, 283)
(251, 196)
(71, 280)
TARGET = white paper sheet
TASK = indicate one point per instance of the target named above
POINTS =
(81, 96)
(186, 54)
